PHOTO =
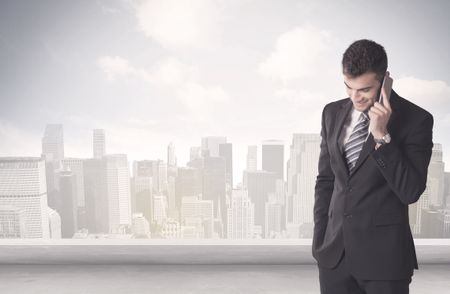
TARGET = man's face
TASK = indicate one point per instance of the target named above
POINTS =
(362, 90)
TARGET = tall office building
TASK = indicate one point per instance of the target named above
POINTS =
(160, 207)
(23, 196)
(275, 217)
(447, 190)
(172, 171)
(273, 157)
(193, 207)
(53, 143)
(260, 184)
(415, 212)
(432, 223)
(436, 177)
(226, 151)
(210, 145)
(302, 174)
(54, 222)
(187, 183)
(446, 231)
(195, 152)
(171, 156)
(432, 197)
(240, 216)
(99, 143)
(157, 169)
(12, 222)
(53, 152)
(118, 186)
(69, 208)
(142, 196)
(252, 158)
(96, 195)
(75, 165)
(213, 173)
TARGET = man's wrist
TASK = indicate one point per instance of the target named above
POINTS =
(378, 135)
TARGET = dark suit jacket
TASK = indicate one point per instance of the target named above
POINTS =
(366, 213)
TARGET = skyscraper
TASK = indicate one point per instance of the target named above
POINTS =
(54, 221)
(75, 165)
(23, 196)
(273, 157)
(53, 153)
(193, 207)
(195, 152)
(99, 143)
(240, 216)
(210, 145)
(226, 151)
(157, 169)
(143, 196)
(274, 222)
(252, 158)
(187, 183)
(433, 196)
(12, 222)
(53, 143)
(118, 187)
(96, 195)
(260, 184)
(213, 172)
(303, 163)
(69, 208)
(171, 156)
(435, 178)
(160, 207)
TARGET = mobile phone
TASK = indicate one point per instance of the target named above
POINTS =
(387, 85)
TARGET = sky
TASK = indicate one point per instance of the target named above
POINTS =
(155, 72)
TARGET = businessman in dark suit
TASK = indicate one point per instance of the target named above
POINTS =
(373, 163)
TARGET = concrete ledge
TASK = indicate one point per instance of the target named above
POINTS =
(166, 251)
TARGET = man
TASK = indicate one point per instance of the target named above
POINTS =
(373, 163)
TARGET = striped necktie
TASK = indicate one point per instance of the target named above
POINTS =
(355, 142)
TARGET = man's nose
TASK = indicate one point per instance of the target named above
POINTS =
(355, 95)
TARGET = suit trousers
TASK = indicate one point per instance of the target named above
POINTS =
(339, 280)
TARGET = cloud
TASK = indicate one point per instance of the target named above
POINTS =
(17, 142)
(116, 66)
(433, 95)
(298, 53)
(192, 23)
(201, 102)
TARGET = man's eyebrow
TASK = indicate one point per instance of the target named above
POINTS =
(358, 89)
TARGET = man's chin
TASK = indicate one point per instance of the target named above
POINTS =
(360, 108)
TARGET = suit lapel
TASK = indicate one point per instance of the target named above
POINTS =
(368, 146)
(338, 126)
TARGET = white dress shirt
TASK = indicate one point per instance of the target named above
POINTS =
(349, 125)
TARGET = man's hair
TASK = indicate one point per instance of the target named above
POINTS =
(364, 56)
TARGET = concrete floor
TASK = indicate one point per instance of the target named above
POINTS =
(168, 279)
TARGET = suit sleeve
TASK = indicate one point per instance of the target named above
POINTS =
(324, 185)
(405, 168)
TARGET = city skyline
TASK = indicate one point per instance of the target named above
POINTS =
(109, 195)
(145, 86)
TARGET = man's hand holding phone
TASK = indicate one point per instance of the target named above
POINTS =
(380, 112)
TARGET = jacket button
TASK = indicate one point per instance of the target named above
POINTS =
(347, 215)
